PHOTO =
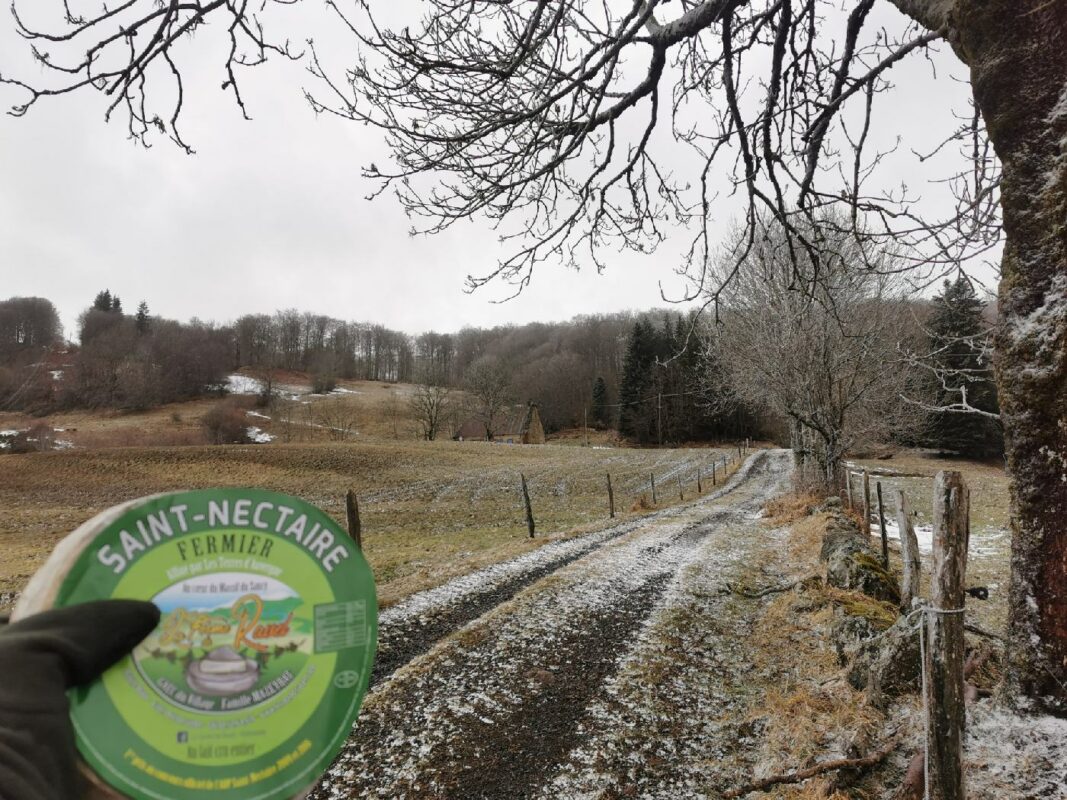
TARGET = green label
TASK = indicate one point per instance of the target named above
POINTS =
(254, 677)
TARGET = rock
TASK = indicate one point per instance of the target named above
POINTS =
(852, 564)
(849, 634)
(830, 503)
(889, 665)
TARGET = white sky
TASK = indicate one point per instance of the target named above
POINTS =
(268, 214)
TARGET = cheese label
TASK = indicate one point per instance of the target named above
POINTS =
(252, 680)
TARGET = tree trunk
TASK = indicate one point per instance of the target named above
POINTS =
(1017, 52)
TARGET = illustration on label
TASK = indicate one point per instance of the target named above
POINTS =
(226, 641)
(253, 678)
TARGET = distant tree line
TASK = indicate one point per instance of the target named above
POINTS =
(119, 360)
(659, 377)
(671, 392)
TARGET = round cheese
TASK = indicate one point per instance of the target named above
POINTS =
(252, 680)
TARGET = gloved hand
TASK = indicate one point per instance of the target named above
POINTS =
(41, 657)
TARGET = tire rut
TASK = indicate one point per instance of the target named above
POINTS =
(490, 712)
(401, 640)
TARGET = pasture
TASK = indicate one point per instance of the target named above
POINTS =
(989, 554)
(430, 510)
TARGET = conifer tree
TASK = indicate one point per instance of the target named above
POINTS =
(600, 403)
(959, 345)
(102, 302)
(142, 319)
(634, 418)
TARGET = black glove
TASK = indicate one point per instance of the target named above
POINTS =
(41, 657)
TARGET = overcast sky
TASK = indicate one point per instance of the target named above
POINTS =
(268, 214)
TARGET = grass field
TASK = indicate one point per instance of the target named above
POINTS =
(430, 510)
(990, 547)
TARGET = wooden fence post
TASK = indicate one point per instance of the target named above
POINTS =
(848, 485)
(909, 554)
(943, 662)
(881, 526)
(652, 480)
(700, 488)
(611, 499)
(681, 494)
(714, 479)
(866, 503)
(529, 509)
(355, 527)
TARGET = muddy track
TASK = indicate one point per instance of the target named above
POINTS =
(493, 711)
(402, 637)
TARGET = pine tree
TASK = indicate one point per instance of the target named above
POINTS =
(142, 317)
(958, 344)
(600, 403)
(102, 302)
(116, 304)
(635, 421)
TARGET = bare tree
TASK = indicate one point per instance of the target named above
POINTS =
(489, 384)
(532, 114)
(335, 415)
(430, 404)
(821, 353)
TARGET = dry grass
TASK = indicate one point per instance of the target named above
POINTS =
(431, 510)
(813, 713)
(788, 508)
(989, 561)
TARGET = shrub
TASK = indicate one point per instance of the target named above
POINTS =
(323, 382)
(38, 438)
(226, 423)
(642, 504)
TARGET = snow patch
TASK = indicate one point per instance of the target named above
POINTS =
(924, 534)
(258, 435)
(242, 384)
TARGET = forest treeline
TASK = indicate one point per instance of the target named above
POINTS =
(137, 360)
(655, 375)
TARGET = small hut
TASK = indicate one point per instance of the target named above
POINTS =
(516, 426)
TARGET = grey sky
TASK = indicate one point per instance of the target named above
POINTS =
(271, 214)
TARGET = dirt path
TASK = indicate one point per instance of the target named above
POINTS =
(414, 625)
(605, 669)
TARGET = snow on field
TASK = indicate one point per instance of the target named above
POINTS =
(258, 435)
(242, 384)
(984, 542)
(57, 374)
(924, 534)
(257, 414)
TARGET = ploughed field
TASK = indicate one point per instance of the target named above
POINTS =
(430, 510)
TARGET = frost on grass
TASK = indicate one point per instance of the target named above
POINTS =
(1015, 756)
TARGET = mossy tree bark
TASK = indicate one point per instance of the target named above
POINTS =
(1017, 53)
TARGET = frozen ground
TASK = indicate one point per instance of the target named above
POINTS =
(543, 694)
